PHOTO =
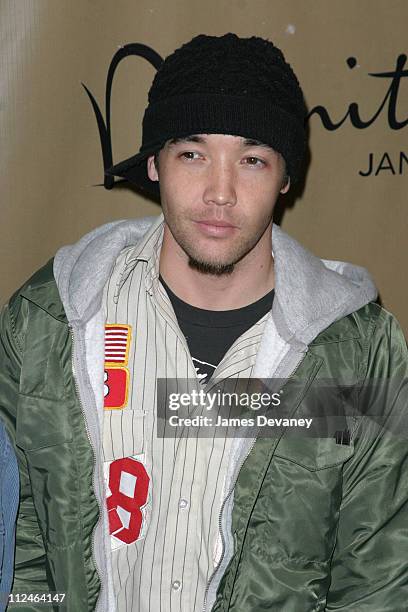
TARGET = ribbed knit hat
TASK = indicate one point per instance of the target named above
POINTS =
(222, 85)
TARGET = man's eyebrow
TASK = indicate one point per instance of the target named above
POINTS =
(252, 142)
(192, 138)
(247, 142)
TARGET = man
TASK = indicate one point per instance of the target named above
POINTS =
(118, 517)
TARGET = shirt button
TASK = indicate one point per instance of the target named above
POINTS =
(176, 585)
(183, 503)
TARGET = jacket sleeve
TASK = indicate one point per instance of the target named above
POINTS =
(30, 566)
(369, 570)
(9, 491)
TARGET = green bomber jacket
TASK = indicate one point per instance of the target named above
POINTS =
(308, 523)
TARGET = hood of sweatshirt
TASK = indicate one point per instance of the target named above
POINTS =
(310, 293)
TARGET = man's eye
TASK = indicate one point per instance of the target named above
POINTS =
(254, 161)
(190, 155)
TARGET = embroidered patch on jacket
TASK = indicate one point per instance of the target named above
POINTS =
(116, 379)
(117, 344)
(128, 489)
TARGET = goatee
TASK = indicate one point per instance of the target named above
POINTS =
(210, 268)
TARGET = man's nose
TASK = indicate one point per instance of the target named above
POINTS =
(220, 186)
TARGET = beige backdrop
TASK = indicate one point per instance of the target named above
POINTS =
(50, 150)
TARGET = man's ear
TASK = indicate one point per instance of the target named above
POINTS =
(286, 185)
(151, 169)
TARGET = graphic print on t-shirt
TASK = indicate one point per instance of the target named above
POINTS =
(204, 370)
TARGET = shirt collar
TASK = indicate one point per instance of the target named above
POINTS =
(147, 250)
(150, 245)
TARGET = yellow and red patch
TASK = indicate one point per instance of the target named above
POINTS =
(116, 379)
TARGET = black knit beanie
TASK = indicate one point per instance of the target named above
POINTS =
(222, 85)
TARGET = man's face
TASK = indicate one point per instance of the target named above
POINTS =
(218, 193)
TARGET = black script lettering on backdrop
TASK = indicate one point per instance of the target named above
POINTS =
(385, 164)
(353, 112)
(353, 109)
(104, 129)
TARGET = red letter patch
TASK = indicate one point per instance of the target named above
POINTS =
(128, 490)
(116, 382)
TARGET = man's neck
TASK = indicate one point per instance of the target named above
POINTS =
(252, 278)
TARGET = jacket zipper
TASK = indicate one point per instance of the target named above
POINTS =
(288, 377)
(91, 444)
(226, 498)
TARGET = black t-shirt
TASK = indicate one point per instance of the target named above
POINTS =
(210, 333)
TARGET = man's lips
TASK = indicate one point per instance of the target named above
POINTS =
(216, 223)
(215, 228)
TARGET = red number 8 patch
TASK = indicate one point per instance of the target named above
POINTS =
(129, 486)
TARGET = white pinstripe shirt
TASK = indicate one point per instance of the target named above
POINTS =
(164, 494)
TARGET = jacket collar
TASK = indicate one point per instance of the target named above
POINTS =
(42, 291)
